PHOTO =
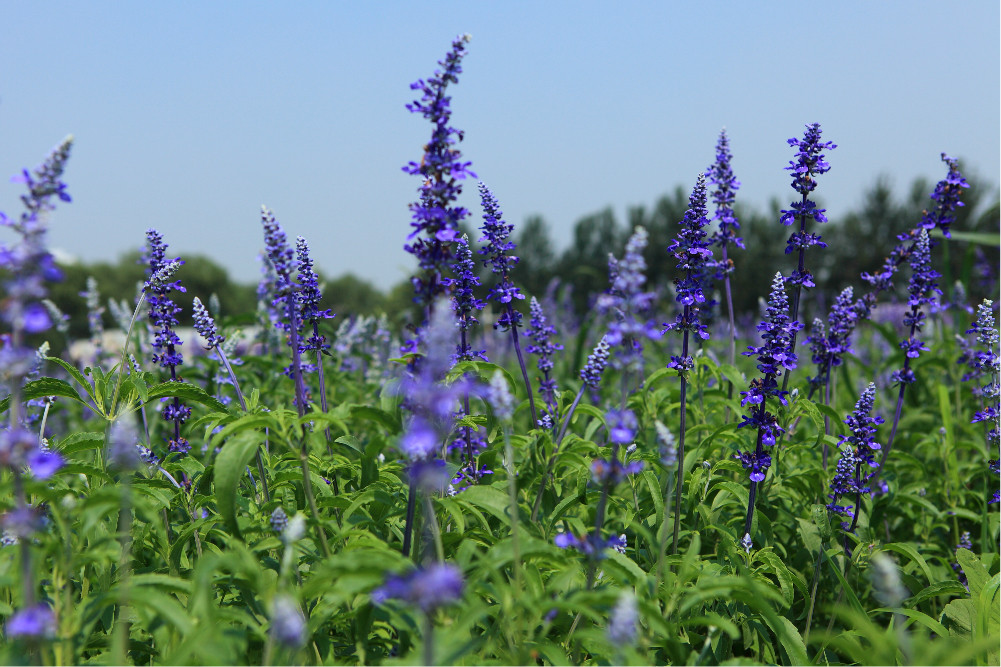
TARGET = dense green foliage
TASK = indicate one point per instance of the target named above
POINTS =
(201, 565)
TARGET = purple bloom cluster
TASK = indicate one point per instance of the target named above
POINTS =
(723, 196)
(308, 298)
(541, 333)
(595, 366)
(856, 464)
(629, 305)
(163, 317)
(464, 302)
(497, 234)
(425, 395)
(435, 217)
(829, 344)
(921, 290)
(964, 543)
(205, 325)
(946, 195)
(27, 265)
(777, 332)
(34, 622)
(809, 164)
(985, 364)
(427, 588)
(286, 298)
(691, 249)
(591, 545)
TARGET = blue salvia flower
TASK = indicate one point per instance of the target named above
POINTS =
(497, 252)
(464, 301)
(163, 317)
(498, 257)
(691, 250)
(542, 333)
(774, 357)
(622, 624)
(281, 257)
(946, 195)
(921, 289)
(278, 520)
(308, 298)
(268, 316)
(809, 164)
(964, 543)
(35, 622)
(95, 317)
(205, 325)
(856, 465)
(427, 588)
(986, 365)
(595, 366)
(723, 196)
(435, 216)
(288, 626)
(591, 545)
(628, 305)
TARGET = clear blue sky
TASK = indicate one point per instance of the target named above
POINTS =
(190, 115)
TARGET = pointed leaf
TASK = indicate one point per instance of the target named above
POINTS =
(230, 466)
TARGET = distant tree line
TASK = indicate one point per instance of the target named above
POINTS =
(857, 242)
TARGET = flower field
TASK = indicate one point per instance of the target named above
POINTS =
(503, 480)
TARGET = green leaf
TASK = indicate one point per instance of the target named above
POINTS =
(822, 520)
(920, 617)
(50, 387)
(79, 442)
(186, 392)
(389, 421)
(976, 573)
(488, 498)
(849, 593)
(980, 238)
(76, 375)
(230, 466)
(907, 549)
(789, 637)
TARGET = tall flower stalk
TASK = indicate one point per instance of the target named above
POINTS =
(280, 255)
(27, 266)
(691, 250)
(544, 346)
(163, 316)
(308, 299)
(921, 289)
(986, 366)
(830, 343)
(206, 327)
(809, 164)
(591, 377)
(774, 356)
(497, 233)
(435, 216)
(629, 309)
(720, 174)
(465, 305)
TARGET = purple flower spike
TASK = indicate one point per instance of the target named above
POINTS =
(809, 164)
(426, 588)
(464, 302)
(33, 622)
(595, 366)
(542, 333)
(628, 305)
(496, 233)
(856, 464)
(435, 216)
(163, 316)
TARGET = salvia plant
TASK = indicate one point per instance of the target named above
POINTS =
(313, 497)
